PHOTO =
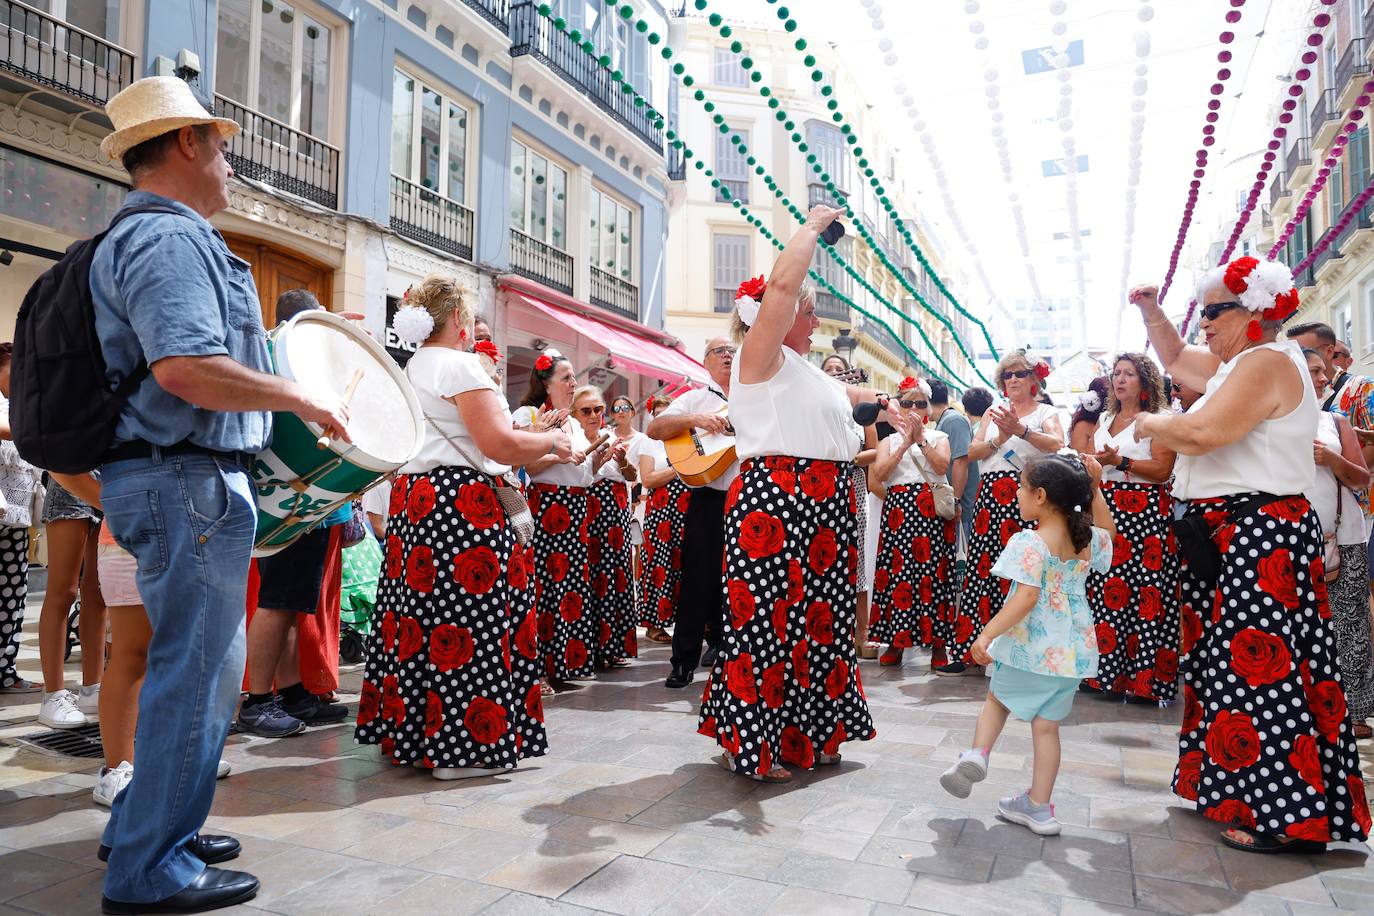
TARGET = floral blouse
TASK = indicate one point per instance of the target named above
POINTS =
(1057, 637)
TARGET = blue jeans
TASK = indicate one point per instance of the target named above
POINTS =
(189, 522)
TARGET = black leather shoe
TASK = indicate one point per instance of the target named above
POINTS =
(212, 889)
(708, 658)
(680, 677)
(207, 847)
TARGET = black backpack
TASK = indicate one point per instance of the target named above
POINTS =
(63, 412)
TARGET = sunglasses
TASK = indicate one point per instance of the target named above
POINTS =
(1017, 373)
(623, 408)
(919, 405)
(729, 351)
(1213, 310)
(596, 411)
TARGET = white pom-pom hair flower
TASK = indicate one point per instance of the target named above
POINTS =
(748, 310)
(413, 324)
(1090, 401)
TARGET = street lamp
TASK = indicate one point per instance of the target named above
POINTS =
(844, 345)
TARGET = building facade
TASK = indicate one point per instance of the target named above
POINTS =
(713, 248)
(382, 140)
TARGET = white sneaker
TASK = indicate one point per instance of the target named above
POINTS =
(111, 783)
(223, 770)
(60, 709)
(971, 767)
(88, 701)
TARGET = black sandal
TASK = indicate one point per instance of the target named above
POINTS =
(1265, 844)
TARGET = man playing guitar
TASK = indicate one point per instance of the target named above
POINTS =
(701, 603)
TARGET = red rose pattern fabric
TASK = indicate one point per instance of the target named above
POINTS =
(901, 614)
(1266, 742)
(984, 593)
(660, 557)
(786, 684)
(1137, 600)
(563, 581)
(440, 687)
(612, 591)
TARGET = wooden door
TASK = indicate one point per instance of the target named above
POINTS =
(275, 271)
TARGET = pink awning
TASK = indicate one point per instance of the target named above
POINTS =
(645, 356)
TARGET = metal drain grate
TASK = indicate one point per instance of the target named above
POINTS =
(69, 742)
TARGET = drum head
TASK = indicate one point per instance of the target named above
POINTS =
(322, 352)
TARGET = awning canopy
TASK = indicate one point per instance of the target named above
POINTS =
(645, 356)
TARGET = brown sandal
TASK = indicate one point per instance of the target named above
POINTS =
(657, 634)
(777, 774)
(1361, 731)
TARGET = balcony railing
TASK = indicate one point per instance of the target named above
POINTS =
(1327, 108)
(1352, 64)
(535, 35)
(1369, 26)
(817, 194)
(497, 12)
(431, 219)
(677, 164)
(1299, 156)
(45, 50)
(739, 190)
(1278, 189)
(828, 305)
(287, 159)
(1336, 250)
(540, 261)
(614, 294)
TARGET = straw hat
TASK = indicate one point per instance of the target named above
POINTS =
(150, 108)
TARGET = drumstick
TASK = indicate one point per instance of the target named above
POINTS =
(323, 441)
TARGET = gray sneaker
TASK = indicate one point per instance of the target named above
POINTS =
(958, 780)
(269, 720)
(1019, 809)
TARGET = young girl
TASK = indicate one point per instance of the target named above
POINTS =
(1042, 642)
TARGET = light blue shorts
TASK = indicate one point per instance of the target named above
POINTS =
(1029, 695)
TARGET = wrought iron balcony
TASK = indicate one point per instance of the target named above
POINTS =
(1327, 109)
(1278, 189)
(497, 12)
(431, 219)
(677, 164)
(1336, 250)
(1299, 157)
(614, 294)
(540, 261)
(828, 305)
(46, 51)
(283, 157)
(1351, 65)
(535, 35)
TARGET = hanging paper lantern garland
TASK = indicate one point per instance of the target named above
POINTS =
(1134, 147)
(1065, 123)
(1336, 230)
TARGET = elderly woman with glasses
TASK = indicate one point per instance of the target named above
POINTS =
(1266, 745)
(609, 554)
(1011, 432)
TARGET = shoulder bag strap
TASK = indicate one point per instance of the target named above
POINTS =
(467, 456)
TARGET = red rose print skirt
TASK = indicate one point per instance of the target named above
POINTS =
(1266, 742)
(995, 519)
(610, 559)
(452, 675)
(1135, 605)
(913, 595)
(568, 622)
(786, 687)
(660, 561)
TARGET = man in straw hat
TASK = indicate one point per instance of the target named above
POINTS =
(175, 486)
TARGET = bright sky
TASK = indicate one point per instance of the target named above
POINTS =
(948, 79)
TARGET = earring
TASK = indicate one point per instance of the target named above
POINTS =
(1252, 330)
(1144, 398)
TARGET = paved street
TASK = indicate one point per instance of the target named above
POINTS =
(628, 814)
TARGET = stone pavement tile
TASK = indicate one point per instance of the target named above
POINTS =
(404, 844)
(1347, 891)
(60, 825)
(1290, 877)
(1307, 909)
(630, 781)
(353, 826)
(816, 903)
(439, 894)
(989, 833)
(600, 803)
(518, 904)
(1074, 907)
(361, 887)
(857, 814)
(949, 895)
(551, 870)
(24, 872)
(27, 808)
(78, 847)
(840, 876)
(1085, 847)
(1163, 896)
(750, 860)
(637, 887)
(1192, 862)
(477, 853)
(505, 819)
(1148, 767)
(928, 823)
(1063, 880)
(1128, 817)
(77, 895)
(924, 858)
(722, 894)
(285, 818)
(292, 869)
(618, 836)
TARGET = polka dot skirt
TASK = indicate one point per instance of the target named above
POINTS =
(1265, 741)
(786, 687)
(568, 622)
(14, 589)
(1135, 604)
(660, 560)
(995, 519)
(453, 661)
(913, 591)
(610, 559)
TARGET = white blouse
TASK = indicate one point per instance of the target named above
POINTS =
(437, 374)
(800, 412)
(611, 470)
(1125, 444)
(645, 447)
(1014, 449)
(562, 475)
(909, 468)
(1323, 493)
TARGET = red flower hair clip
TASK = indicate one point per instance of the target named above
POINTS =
(907, 383)
(488, 349)
(753, 288)
(544, 363)
(1042, 370)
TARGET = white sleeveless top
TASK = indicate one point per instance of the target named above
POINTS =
(610, 470)
(1124, 443)
(1274, 457)
(562, 475)
(909, 468)
(800, 411)
(1323, 492)
(1023, 450)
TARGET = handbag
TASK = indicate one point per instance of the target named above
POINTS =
(1333, 549)
(1195, 542)
(945, 503)
(508, 492)
(355, 529)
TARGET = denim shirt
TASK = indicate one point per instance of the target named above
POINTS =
(163, 286)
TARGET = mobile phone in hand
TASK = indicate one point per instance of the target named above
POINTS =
(833, 233)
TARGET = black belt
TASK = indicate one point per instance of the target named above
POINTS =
(138, 448)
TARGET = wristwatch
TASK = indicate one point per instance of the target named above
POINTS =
(1124, 465)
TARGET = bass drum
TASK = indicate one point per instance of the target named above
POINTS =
(299, 483)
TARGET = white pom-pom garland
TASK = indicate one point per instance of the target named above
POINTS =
(413, 324)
